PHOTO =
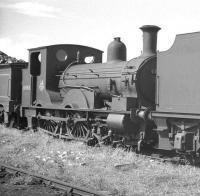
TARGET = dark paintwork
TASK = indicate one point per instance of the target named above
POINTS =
(149, 39)
(117, 92)
(127, 88)
(118, 84)
(44, 85)
(178, 76)
(10, 85)
(59, 77)
(118, 78)
(178, 94)
(116, 50)
(143, 77)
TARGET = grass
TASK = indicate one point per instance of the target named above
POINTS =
(101, 168)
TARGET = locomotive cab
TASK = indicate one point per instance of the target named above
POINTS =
(45, 67)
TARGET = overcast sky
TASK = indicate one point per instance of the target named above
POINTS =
(33, 23)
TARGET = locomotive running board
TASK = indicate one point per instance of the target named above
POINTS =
(81, 110)
(174, 115)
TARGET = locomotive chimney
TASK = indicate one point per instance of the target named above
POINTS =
(149, 39)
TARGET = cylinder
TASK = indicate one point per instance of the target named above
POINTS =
(149, 39)
(121, 124)
(116, 50)
(116, 122)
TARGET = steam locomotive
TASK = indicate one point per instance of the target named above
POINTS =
(149, 101)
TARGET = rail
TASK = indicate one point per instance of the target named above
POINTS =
(69, 189)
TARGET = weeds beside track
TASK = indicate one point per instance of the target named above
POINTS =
(102, 168)
(69, 189)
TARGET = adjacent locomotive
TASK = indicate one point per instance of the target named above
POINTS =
(149, 101)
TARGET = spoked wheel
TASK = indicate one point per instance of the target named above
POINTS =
(80, 130)
(73, 128)
(77, 127)
(47, 125)
(70, 125)
(52, 127)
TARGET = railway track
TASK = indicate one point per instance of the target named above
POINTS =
(67, 188)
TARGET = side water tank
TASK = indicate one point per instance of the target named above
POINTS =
(116, 50)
